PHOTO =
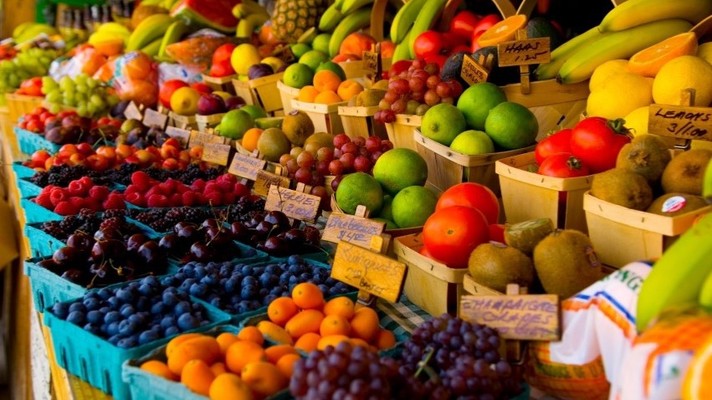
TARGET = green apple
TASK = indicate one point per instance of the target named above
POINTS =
(313, 59)
(184, 101)
(243, 57)
(234, 124)
(442, 123)
(472, 143)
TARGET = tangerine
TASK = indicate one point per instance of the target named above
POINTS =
(250, 138)
(276, 352)
(229, 387)
(281, 310)
(197, 376)
(241, 353)
(264, 378)
(307, 342)
(326, 80)
(364, 324)
(341, 305)
(203, 348)
(225, 339)
(252, 334)
(334, 325)
(159, 368)
(286, 364)
(307, 296)
(304, 322)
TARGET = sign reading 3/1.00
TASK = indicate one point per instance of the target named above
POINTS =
(680, 122)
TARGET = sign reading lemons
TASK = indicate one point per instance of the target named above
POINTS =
(154, 118)
(368, 271)
(216, 153)
(680, 122)
(352, 229)
(524, 52)
(246, 167)
(294, 204)
(264, 180)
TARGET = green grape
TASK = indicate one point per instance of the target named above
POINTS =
(92, 109)
(54, 108)
(92, 83)
(82, 87)
(66, 82)
(82, 111)
(112, 100)
(54, 97)
(97, 100)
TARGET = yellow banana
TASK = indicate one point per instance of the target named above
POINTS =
(562, 53)
(349, 6)
(33, 31)
(401, 52)
(624, 44)
(331, 18)
(21, 28)
(707, 184)
(404, 19)
(114, 28)
(245, 28)
(678, 277)
(153, 48)
(633, 13)
(148, 30)
(258, 19)
(429, 13)
(350, 24)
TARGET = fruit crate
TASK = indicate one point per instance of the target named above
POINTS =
(35, 213)
(429, 284)
(447, 168)
(98, 362)
(400, 132)
(358, 121)
(622, 235)
(527, 195)
(8, 134)
(474, 288)
(222, 83)
(30, 142)
(262, 92)
(324, 116)
(182, 121)
(204, 122)
(287, 93)
(20, 104)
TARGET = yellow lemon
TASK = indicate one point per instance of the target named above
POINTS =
(620, 95)
(637, 121)
(704, 51)
(604, 71)
(682, 73)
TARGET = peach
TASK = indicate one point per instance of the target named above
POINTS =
(348, 89)
(356, 43)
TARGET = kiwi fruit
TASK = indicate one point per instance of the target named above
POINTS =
(369, 97)
(566, 263)
(297, 126)
(685, 172)
(646, 155)
(382, 85)
(525, 235)
(622, 187)
(673, 204)
(496, 265)
(272, 144)
(320, 139)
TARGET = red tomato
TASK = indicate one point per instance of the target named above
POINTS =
(424, 251)
(486, 22)
(496, 232)
(563, 165)
(596, 142)
(32, 86)
(34, 125)
(559, 142)
(451, 233)
(223, 52)
(463, 24)
(428, 44)
(471, 194)
(475, 45)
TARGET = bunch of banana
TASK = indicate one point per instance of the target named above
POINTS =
(109, 32)
(148, 35)
(30, 30)
(251, 15)
(343, 18)
(167, 4)
(625, 30)
(414, 18)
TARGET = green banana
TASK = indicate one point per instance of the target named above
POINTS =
(707, 184)
(404, 19)
(173, 34)
(331, 17)
(349, 6)
(258, 19)
(427, 16)
(148, 30)
(33, 31)
(677, 278)
(153, 48)
(350, 24)
(562, 53)
(637, 12)
(401, 52)
(21, 28)
(246, 8)
(624, 44)
(244, 28)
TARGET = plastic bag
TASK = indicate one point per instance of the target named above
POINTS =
(136, 79)
(85, 60)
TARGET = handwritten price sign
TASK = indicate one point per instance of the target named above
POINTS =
(524, 52)
(368, 271)
(680, 122)
(472, 72)
(351, 229)
(246, 167)
(296, 205)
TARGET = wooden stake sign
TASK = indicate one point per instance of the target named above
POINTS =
(182, 135)
(132, 112)
(372, 63)
(294, 204)
(216, 153)
(681, 122)
(355, 229)
(152, 117)
(524, 52)
(369, 272)
(246, 166)
(265, 180)
(472, 71)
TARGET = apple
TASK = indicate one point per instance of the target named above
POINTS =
(184, 101)
(201, 87)
(234, 102)
(167, 89)
(428, 43)
(224, 95)
(209, 104)
(463, 24)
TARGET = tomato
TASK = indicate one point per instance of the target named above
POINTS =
(558, 142)
(496, 232)
(596, 142)
(32, 86)
(428, 44)
(463, 24)
(471, 194)
(563, 165)
(451, 233)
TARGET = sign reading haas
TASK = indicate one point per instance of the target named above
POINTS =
(296, 205)
(524, 52)
(371, 272)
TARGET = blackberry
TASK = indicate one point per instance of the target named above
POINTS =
(113, 222)
(115, 213)
(86, 212)
(53, 228)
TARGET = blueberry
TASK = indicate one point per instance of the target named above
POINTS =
(294, 260)
(266, 279)
(246, 270)
(95, 317)
(105, 293)
(125, 295)
(255, 304)
(168, 321)
(249, 292)
(324, 288)
(284, 279)
(127, 310)
(273, 269)
(77, 306)
(215, 302)
(114, 302)
(285, 293)
(225, 270)
(157, 328)
(268, 299)
(143, 303)
(185, 286)
(198, 289)
(114, 339)
(92, 328)
(305, 277)
(105, 310)
(249, 281)
(342, 286)
(127, 342)
(138, 319)
(276, 290)
(112, 316)
(187, 321)
(181, 276)
(169, 299)
(77, 317)
(263, 292)
(181, 308)
(169, 281)
(232, 285)
(112, 328)
(246, 253)
(127, 327)
(147, 336)
(211, 279)
(171, 331)
(158, 308)
(150, 280)
(221, 282)
(145, 289)
(294, 269)
(61, 310)
(199, 271)
(293, 280)
(237, 275)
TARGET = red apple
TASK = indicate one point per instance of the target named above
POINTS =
(167, 89)
(428, 43)
(463, 24)
(201, 87)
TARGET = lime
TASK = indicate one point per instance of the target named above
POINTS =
(412, 206)
(389, 224)
(234, 124)
(399, 168)
(387, 208)
(321, 42)
(472, 143)
(298, 49)
(511, 126)
(357, 189)
(298, 75)
(477, 101)
(313, 58)
(333, 67)
(442, 123)
(254, 110)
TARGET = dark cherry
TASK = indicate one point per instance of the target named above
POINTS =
(312, 235)
(74, 275)
(210, 223)
(278, 219)
(105, 250)
(199, 251)
(239, 231)
(108, 234)
(295, 237)
(275, 245)
(181, 225)
(80, 241)
(264, 228)
(66, 256)
(212, 231)
(135, 241)
(188, 233)
(169, 242)
(254, 221)
(223, 237)
(50, 265)
(150, 252)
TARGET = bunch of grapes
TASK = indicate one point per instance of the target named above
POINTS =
(91, 97)
(416, 90)
(26, 64)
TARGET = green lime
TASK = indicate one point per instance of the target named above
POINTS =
(357, 189)
(412, 206)
(254, 110)
(387, 208)
(334, 67)
(234, 124)
(321, 42)
(313, 58)
(389, 224)
(472, 143)
(511, 126)
(399, 168)
(442, 123)
(477, 101)
(298, 75)
(298, 49)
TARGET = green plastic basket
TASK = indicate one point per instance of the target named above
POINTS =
(42, 244)
(30, 142)
(36, 214)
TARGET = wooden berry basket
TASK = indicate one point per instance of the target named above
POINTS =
(400, 132)
(20, 104)
(358, 121)
(527, 195)
(262, 92)
(324, 116)
(286, 94)
(223, 83)
(182, 121)
(204, 122)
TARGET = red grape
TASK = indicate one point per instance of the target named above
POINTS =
(305, 159)
(335, 182)
(432, 81)
(341, 139)
(416, 84)
(336, 167)
(417, 96)
(443, 89)
(418, 64)
(292, 166)
(391, 96)
(388, 117)
(316, 179)
(431, 98)
(359, 140)
(456, 87)
(322, 167)
(386, 145)
(448, 100)
(432, 68)
(284, 158)
(376, 154)
(420, 74)
(303, 175)
(337, 153)
(362, 164)
(399, 106)
(347, 159)
(349, 148)
(373, 143)
(325, 154)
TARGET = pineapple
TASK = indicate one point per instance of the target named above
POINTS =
(293, 17)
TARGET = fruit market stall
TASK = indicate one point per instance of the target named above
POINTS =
(320, 199)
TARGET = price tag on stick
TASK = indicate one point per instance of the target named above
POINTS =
(472, 71)
(524, 52)
(246, 167)
(294, 204)
(154, 118)
(132, 112)
(355, 229)
(265, 180)
(182, 135)
(683, 122)
(216, 153)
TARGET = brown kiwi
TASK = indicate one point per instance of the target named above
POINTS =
(297, 126)
(685, 172)
(495, 265)
(646, 155)
(622, 187)
(672, 204)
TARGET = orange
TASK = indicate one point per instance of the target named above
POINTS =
(342, 306)
(252, 334)
(364, 324)
(197, 376)
(281, 309)
(327, 97)
(243, 352)
(307, 295)
(326, 80)
(276, 352)
(348, 89)
(502, 31)
(274, 332)
(334, 325)
(356, 43)
(264, 378)
(304, 322)
(286, 364)
(307, 94)
(218, 368)
(385, 339)
(250, 138)
(648, 61)
(307, 342)
(230, 387)
(159, 368)
(203, 348)
(225, 339)
(331, 340)
(359, 342)
(178, 340)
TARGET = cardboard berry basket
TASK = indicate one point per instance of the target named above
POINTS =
(286, 94)
(527, 195)
(221, 83)
(324, 116)
(400, 132)
(358, 121)
(263, 92)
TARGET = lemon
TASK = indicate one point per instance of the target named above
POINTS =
(637, 121)
(682, 73)
(619, 95)
(605, 71)
(704, 51)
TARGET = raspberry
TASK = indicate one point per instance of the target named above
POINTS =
(211, 187)
(48, 189)
(86, 181)
(182, 188)
(114, 202)
(58, 195)
(224, 185)
(76, 188)
(99, 192)
(176, 200)
(93, 204)
(66, 208)
(78, 202)
(140, 178)
(241, 189)
(214, 198)
(198, 185)
(130, 189)
(44, 200)
(137, 199)
(157, 200)
(190, 198)
(228, 178)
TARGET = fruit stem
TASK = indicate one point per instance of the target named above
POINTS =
(573, 163)
(423, 366)
(618, 126)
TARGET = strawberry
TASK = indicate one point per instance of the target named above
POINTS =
(157, 200)
(99, 192)
(66, 208)
(190, 198)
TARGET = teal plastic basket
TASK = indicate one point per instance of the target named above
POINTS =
(95, 360)
(243, 256)
(36, 214)
(27, 188)
(42, 244)
(22, 171)
(30, 142)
